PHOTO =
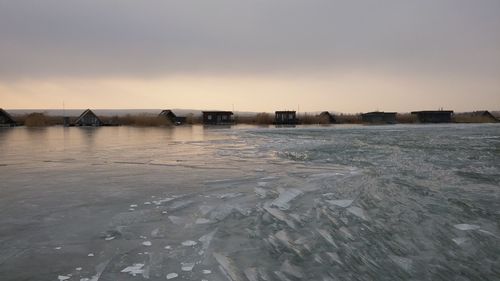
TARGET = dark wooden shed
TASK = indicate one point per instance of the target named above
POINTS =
(88, 118)
(6, 120)
(285, 118)
(172, 117)
(378, 117)
(434, 116)
(218, 117)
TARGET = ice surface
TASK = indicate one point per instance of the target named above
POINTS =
(62, 277)
(345, 203)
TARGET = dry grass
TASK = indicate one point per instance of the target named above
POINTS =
(143, 120)
(38, 119)
(349, 118)
(406, 118)
(469, 118)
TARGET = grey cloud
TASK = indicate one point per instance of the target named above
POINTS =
(153, 38)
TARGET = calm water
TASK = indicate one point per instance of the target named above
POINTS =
(246, 203)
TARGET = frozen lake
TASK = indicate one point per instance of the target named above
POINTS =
(308, 203)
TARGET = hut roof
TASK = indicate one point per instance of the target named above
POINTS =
(218, 112)
(433, 112)
(85, 113)
(7, 116)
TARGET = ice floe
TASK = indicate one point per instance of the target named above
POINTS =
(327, 236)
(63, 277)
(358, 212)
(227, 267)
(172, 276)
(147, 243)
(467, 227)
(405, 263)
(188, 266)
(202, 221)
(207, 272)
(340, 203)
(177, 220)
(285, 196)
(461, 240)
(134, 269)
(189, 243)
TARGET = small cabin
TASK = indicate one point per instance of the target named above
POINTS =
(88, 118)
(378, 117)
(172, 117)
(326, 118)
(430, 116)
(285, 118)
(6, 120)
(218, 117)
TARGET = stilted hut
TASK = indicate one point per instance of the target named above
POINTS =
(88, 118)
(285, 118)
(434, 116)
(378, 117)
(326, 118)
(218, 117)
(6, 120)
(172, 117)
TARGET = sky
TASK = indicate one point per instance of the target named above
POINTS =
(260, 55)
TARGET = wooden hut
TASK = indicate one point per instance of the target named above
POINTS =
(285, 118)
(218, 117)
(326, 118)
(172, 117)
(6, 120)
(378, 117)
(88, 118)
(434, 116)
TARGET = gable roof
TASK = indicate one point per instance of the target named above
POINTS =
(7, 116)
(85, 113)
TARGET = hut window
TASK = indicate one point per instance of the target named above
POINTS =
(209, 117)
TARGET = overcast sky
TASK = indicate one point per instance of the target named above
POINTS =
(348, 56)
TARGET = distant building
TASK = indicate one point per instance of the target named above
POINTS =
(285, 118)
(326, 118)
(218, 117)
(174, 119)
(486, 115)
(437, 116)
(6, 120)
(378, 117)
(88, 118)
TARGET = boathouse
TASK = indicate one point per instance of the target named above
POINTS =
(285, 118)
(6, 120)
(326, 118)
(172, 117)
(437, 116)
(378, 117)
(218, 117)
(88, 118)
